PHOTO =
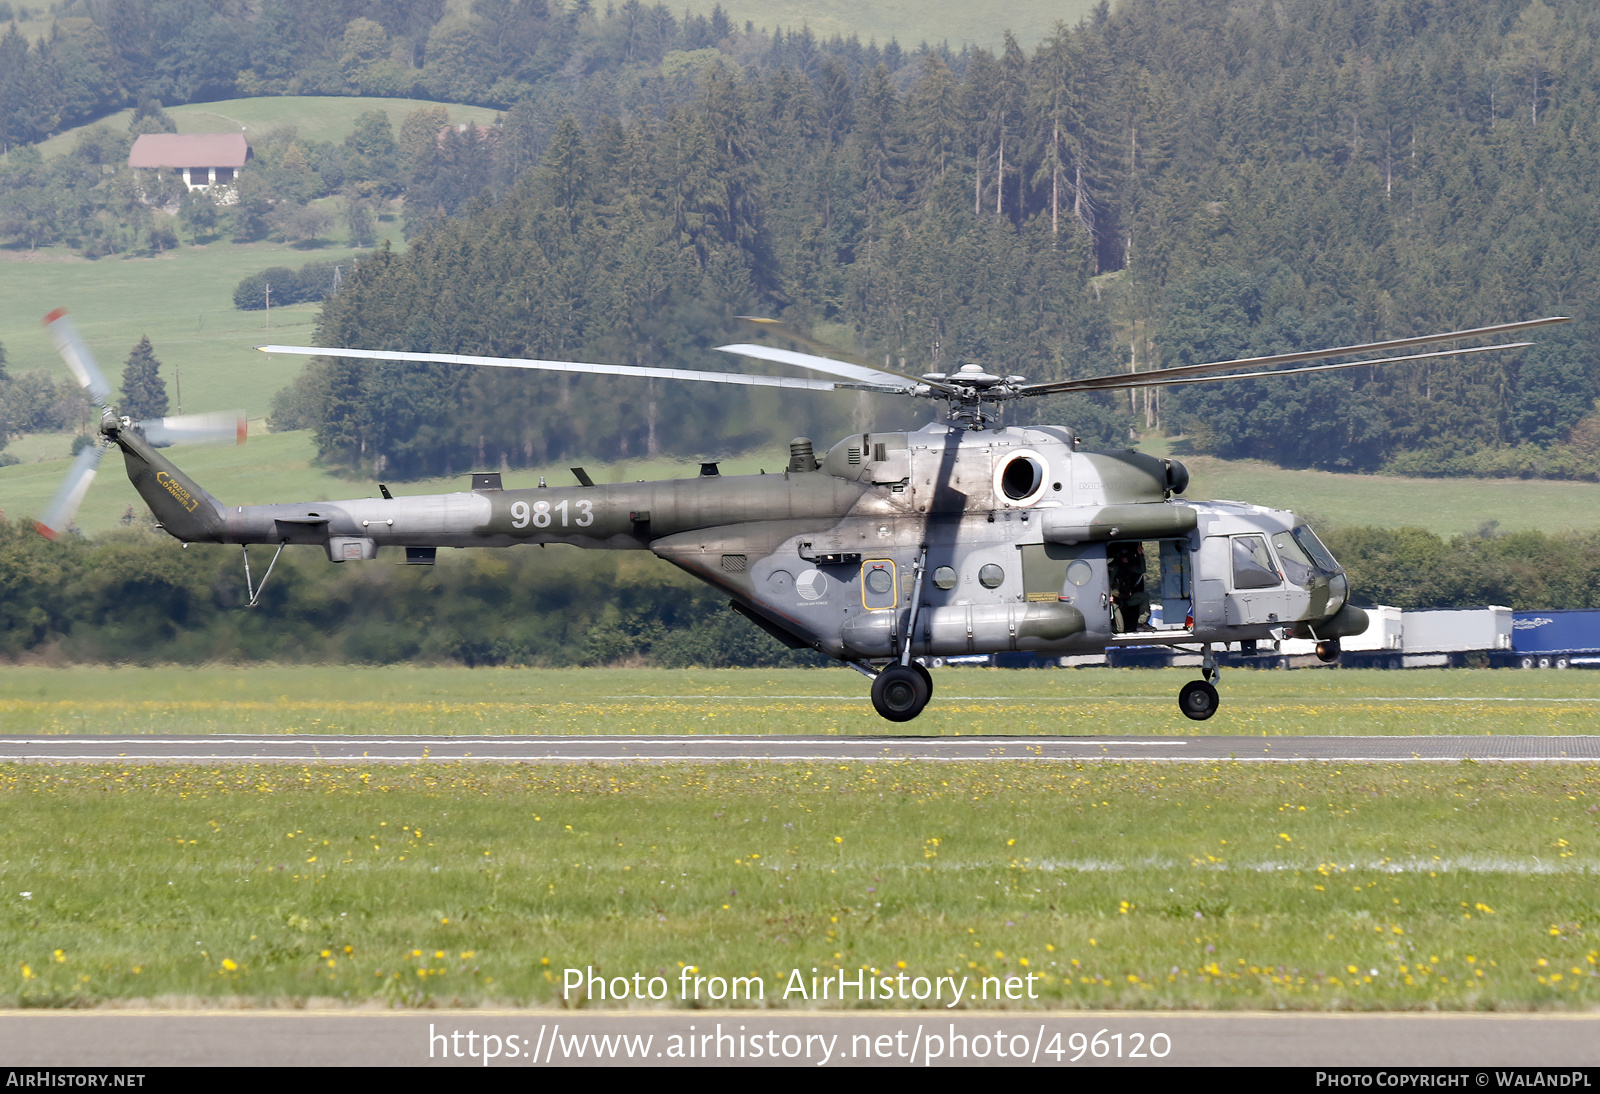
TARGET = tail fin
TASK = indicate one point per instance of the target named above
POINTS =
(185, 510)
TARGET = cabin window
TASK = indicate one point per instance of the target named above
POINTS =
(944, 577)
(1252, 564)
(991, 576)
(878, 584)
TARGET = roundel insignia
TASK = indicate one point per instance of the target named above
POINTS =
(811, 584)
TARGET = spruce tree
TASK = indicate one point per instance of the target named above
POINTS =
(144, 393)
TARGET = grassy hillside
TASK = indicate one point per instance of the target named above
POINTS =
(183, 300)
(1443, 506)
(913, 21)
(317, 117)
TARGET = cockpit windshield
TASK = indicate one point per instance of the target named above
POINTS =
(1307, 539)
(1297, 565)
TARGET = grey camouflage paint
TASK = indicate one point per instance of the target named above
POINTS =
(1018, 526)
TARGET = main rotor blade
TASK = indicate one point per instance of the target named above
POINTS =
(831, 357)
(1158, 377)
(1120, 380)
(860, 373)
(59, 513)
(214, 428)
(77, 356)
(644, 371)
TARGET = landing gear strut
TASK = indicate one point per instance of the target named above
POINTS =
(900, 692)
(1198, 699)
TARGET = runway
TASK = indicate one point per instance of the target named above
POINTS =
(380, 748)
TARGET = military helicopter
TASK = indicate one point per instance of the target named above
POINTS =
(962, 537)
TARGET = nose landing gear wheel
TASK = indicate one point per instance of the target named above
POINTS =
(899, 693)
(1198, 700)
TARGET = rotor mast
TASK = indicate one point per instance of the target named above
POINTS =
(967, 389)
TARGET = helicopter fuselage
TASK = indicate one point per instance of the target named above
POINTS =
(957, 538)
(938, 542)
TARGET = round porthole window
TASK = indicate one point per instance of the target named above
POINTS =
(991, 576)
(1079, 572)
(1021, 478)
(944, 577)
(879, 581)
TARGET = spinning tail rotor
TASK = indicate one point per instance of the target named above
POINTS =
(213, 428)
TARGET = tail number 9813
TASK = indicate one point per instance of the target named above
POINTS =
(542, 513)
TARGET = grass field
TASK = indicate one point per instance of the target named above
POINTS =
(183, 300)
(967, 701)
(1127, 885)
(1445, 507)
(315, 117)
(911, 22)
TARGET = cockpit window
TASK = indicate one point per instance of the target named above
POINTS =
(1304, 536)
(1297, 565)
(1252, 564)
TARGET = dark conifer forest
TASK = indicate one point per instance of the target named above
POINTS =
(1169, 182)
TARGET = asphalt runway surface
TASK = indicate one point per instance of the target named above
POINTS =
(134, 1039)
(378, 748)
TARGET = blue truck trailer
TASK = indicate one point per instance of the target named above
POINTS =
(1553, 639)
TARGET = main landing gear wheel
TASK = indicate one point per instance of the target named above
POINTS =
(900, 692)
(1198, 700)
(927, 677)
(1328, 651)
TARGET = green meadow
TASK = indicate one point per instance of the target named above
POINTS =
(183, 300)
(314, 117)
(1445, 507)
(910, 22)
(1138, 886)
(308, 699)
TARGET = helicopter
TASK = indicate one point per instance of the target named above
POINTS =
(963, 537)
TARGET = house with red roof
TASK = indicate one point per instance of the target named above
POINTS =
(203, 159)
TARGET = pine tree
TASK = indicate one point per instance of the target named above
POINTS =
(144, 393)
